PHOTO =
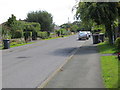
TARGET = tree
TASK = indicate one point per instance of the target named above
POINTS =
(86, 25)
(11, 23)
(99, 12)
(44, 18)
(66, 26)
(5, 31)
(15, 27)
(74, 28)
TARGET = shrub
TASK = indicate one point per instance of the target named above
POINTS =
(18, 34)
(13, 43)
(52, 35)
(27, 35)
(16, 41)
(43, 35)
(34, 35)
(58, 32)
(62, 32)
(117, 44)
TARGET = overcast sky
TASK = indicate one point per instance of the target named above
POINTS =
(60, 9)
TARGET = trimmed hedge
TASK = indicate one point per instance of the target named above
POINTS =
(43, 35)
(62, 32)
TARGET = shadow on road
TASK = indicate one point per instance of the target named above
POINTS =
(90, 49)
(81, 40)
(63, 51)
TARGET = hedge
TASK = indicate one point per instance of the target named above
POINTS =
(43, 35)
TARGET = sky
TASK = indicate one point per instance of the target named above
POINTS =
(61, 10)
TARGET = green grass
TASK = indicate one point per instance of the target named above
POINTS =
(16, 45)
(110, 69)
(52, 38)
(110, 66)
(105, 48)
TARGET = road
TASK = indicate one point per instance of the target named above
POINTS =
(28, 66)
(83, 70)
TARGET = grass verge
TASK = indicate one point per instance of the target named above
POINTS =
(105, 48)
(110, 66)
(16, 45)
(110, 71)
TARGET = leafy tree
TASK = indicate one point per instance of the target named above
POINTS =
(66, 25)
(5, 31)
(99, 12)
(44, 18)
(12, 22)
(86, 25)
(74, 28)
(118, 7)
(78, 23)
(15, 27)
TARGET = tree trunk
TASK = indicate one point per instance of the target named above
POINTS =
(109, 33)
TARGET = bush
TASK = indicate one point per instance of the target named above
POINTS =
(43, 35)
(62, 32)
(16, 41)
(34, 35)
(27, 35)
(53, 35)
(58, 32)
(18, 34)
(117, 44)
(13, 43)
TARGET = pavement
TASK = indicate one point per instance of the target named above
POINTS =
(83, 70)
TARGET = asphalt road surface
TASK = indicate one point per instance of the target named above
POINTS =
(28, 66)
(83, 70)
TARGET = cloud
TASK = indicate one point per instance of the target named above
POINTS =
(60, 9)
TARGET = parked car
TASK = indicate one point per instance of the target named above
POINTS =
(89, 33)
(83, 35)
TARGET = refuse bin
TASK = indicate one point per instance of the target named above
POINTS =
(95, 38)
(101, 37)
(6, 44)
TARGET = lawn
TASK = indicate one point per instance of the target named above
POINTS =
(110, 69)
(105, 48)
(16, 45)
(110, 66)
